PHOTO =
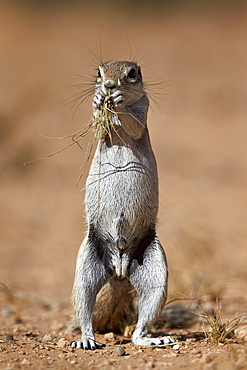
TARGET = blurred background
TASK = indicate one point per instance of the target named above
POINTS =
(197, 124)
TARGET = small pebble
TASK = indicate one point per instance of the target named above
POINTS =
(25, 362)
(120, 351)
(47, 337)
(176, 346)
(62, 342)
(9, 337)
(110, 337)
(195, 351)
(206, 359)
(190, 340)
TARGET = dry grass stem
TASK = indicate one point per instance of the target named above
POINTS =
(220, 331)
(13, 298)
(101, 125)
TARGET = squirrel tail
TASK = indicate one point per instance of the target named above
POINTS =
(116, 307)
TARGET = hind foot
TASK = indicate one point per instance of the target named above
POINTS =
(144, 341)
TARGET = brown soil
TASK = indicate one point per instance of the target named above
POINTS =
(199, 139)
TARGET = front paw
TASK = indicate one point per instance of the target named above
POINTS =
(98, 100)
(87, 344)
(117, 99)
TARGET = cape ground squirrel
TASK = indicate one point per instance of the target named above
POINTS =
(121, 254)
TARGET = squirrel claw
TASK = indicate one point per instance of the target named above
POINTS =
(86, 344)
(98, 101)
(144, 341)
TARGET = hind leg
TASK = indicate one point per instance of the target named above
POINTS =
(149, 277)
(90, 276)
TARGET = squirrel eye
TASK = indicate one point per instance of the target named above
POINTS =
(132, 73)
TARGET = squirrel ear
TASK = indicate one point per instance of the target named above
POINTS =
(139, 72)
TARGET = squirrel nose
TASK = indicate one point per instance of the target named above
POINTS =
(110, 84)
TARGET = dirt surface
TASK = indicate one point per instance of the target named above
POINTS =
(199, 135)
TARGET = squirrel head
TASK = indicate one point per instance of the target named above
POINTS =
(121, 75)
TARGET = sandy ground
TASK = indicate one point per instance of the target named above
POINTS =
(198, 132)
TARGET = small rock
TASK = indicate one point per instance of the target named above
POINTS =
(62, 342)
(190, 340)
(195, 351)
(47, 338)
(194, 360)
(120, 351)
(25, 362)
(110, 337)
(9, 337)
(206, 359)
(176, 346)
(31, 334)
(149, 365)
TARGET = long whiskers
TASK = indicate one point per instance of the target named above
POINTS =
(158, 89)
(86, 90)
(102, 124)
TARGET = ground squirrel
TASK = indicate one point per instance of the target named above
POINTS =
(121, 254)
